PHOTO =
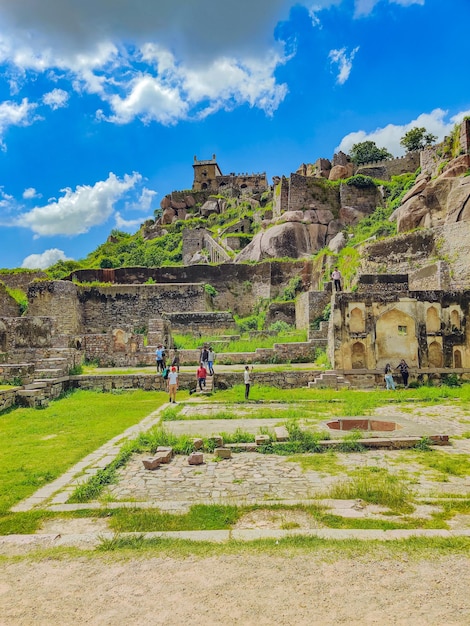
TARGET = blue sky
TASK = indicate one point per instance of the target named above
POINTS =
(104, 103)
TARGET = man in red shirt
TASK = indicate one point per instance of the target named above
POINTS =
(201, 376)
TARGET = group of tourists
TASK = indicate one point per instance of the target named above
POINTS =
(388, 375)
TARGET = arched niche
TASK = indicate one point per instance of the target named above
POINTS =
(458, 358)
(356, 321)
(395, 338)
(433, 321)
(455, 319)
(435, 354)
(358, 356)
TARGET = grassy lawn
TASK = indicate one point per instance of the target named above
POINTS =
(37, 446)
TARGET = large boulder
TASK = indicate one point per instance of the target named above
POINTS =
(339, 172)
(458, 201)
(337, 243)
(291, 239)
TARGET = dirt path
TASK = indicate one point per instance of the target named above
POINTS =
(252, 589)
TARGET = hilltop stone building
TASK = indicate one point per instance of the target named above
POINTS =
(208, 177)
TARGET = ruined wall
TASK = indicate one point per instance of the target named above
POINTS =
(193, 242)
(309, 306)
(433, 276)
(364, 199)
(426, 328)
(129, 307)
(21, 336)
(8, 305)
(201, 323)
(238, 286)
(20, 280)
(398, 255)
(384, 170)
(281, 197)
(58, 299)
(312, 193)
(281, 312)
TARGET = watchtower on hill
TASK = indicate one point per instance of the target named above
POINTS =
(205, 174)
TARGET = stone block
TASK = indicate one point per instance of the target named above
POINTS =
(196, 458)
(166, 453)
(218, 441)
(223, 453)
(198, 443)
(262, 439)
(281, 433)
(440, 440)
(151, 463)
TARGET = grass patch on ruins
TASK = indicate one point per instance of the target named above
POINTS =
(243, 344)
(38, 445)
(443, 464)
(326, 463)
(376, 486)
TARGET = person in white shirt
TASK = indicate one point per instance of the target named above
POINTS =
(172, 384)
(336, 278)
(247, 380)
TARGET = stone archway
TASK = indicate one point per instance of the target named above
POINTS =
(433, 322)
(358, 356)
(458, 358)
(435, 354)
(356, 321)
(395, 339)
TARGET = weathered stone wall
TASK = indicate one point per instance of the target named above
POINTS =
(384, 170)
(382, 283)
(129, 307)
(281, 197)
(25, 333)
(312, 193)
(309, 306)
(433, 276)
(20, 280)
(239, 286)
(193, 242)
(8, 305)
(426, 328)
(58, 299)
(201, 323)
(398, 255)
(281, 312)
(364, 199)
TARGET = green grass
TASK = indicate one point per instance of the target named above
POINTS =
(244, 344)
(444, 463)
(376, 486)
(38, 445)
(326, 463)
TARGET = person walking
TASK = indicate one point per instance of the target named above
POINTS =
(247, 381)
(172, 384)
(210, 360)
(204, 357)
(176, 360)
(403, 367)
(160, 358)
(201, 376)
(336, 278)
(389, 382)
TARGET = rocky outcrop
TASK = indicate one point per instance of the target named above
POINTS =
(430, 203)
(291, 239)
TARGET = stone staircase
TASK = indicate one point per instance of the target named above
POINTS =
(331, 380)
(208, 388)
(55, 364)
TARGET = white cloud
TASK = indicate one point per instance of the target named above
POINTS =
(390, 135)
(344, 62)
(56, 98)
(13, 114)
(143, 202)
(30, 193)
(44, 260)
(130, 225)
(76, 212)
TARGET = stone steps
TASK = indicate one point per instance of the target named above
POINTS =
(331, 380)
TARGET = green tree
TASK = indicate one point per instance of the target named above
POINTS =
(417, 139)
(367, 151)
